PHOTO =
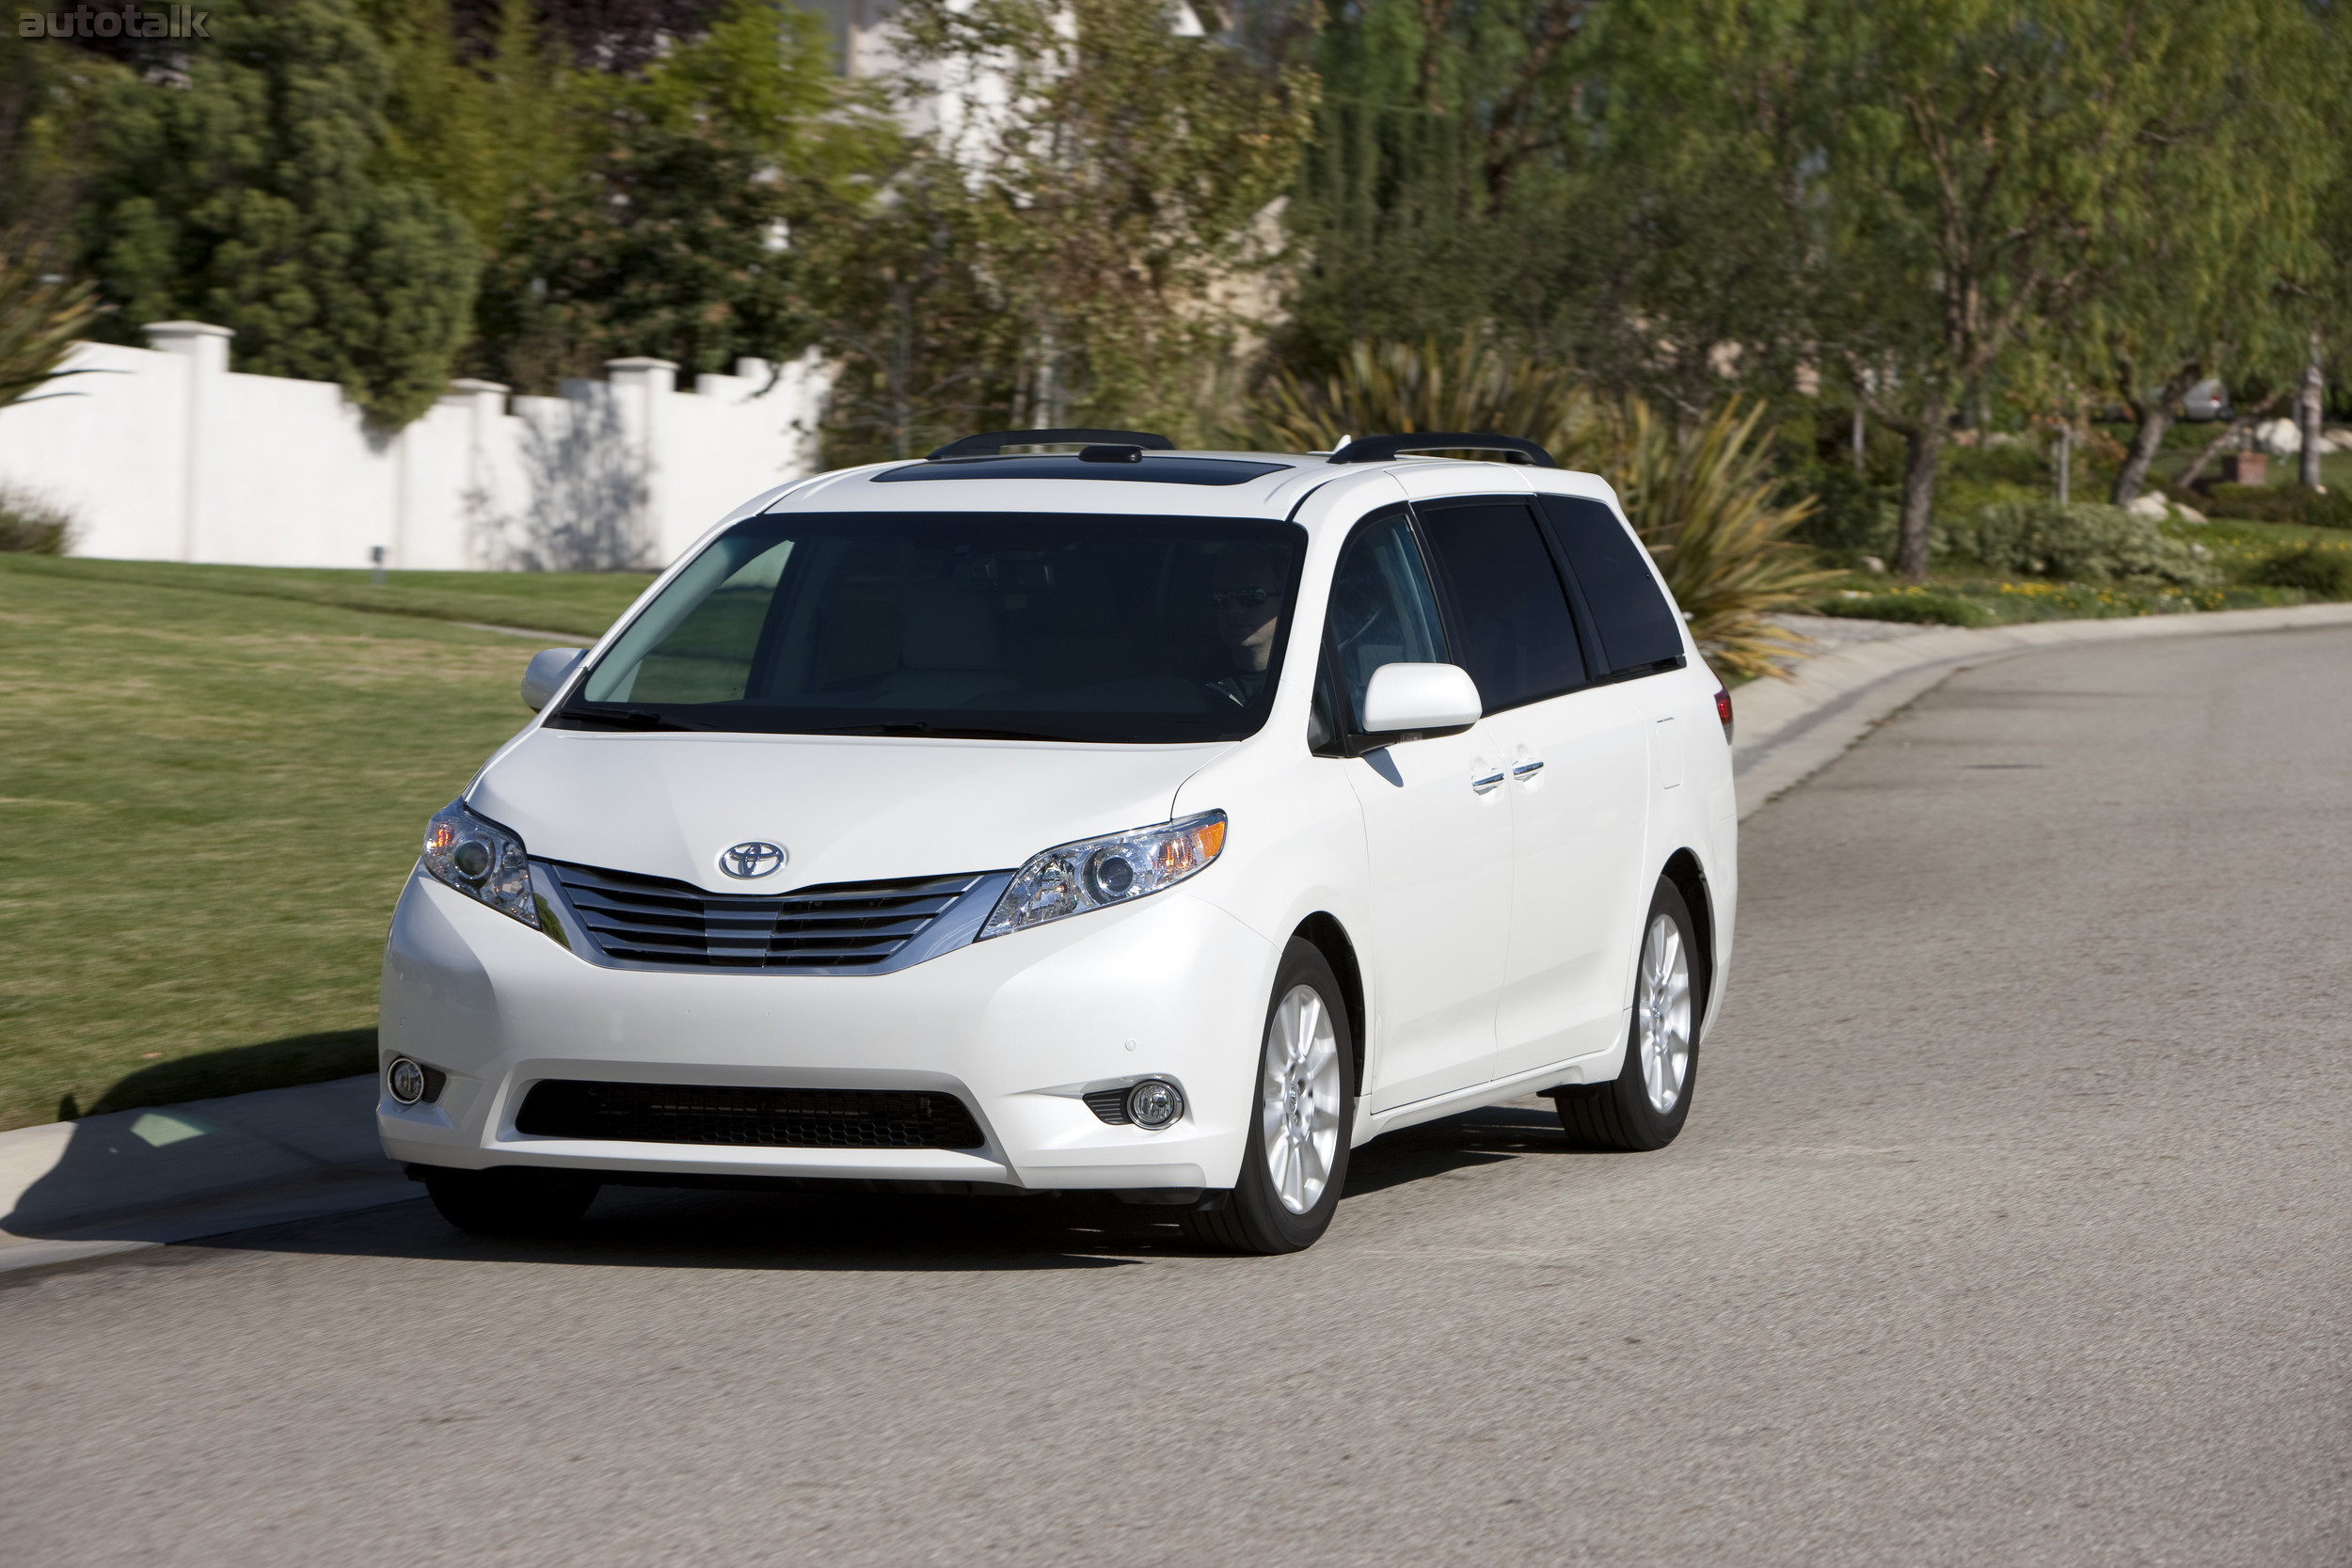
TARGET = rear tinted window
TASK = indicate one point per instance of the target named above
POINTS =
(1637, 628)
(1515, 634)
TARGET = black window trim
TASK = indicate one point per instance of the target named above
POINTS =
(1587, 624)
(1579, 618)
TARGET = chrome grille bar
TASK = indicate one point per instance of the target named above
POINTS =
(839, 926)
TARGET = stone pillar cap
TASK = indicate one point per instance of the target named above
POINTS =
(187, 329)
(640, 363)
(468, 384)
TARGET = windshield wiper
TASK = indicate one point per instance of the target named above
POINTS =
(629, 718)
(949, 732)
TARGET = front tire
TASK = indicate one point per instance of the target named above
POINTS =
(511, 1200)
(1648, 1104)
(1293, 1163)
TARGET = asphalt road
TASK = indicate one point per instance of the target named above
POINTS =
(2010, 1226)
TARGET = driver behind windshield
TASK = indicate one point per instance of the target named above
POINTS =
(1248, 595)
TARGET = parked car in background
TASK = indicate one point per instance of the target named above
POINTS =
(1154, 822)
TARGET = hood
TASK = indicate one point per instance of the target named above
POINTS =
(844, 809)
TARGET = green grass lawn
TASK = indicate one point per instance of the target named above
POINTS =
(1955, 594)
(579, 604)
(213, 782)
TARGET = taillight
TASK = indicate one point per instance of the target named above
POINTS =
(1722, 711)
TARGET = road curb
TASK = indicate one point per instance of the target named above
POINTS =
(1789, 730)
(110, 1183)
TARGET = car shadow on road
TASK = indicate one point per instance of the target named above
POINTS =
(1492, 1136)
(661, 1228)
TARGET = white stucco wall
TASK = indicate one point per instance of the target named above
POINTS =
(166, 453)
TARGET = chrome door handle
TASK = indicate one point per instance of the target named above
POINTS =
(1486, 782)
(1529, 769)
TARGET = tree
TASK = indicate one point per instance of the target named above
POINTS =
(1118, 180)
(44, 118)
(251, 197)
(890, 287)
(1986, 170)
(674, 233)
(2205, 262)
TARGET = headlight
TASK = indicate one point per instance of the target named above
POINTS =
(481, 860)
(1096, 873)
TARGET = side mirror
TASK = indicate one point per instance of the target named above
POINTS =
(1405, 697)
(549, 669)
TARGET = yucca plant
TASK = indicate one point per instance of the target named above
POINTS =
(39, 319)
(1702, 499)
(1474, 384)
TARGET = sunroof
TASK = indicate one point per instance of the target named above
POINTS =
(1152, 468)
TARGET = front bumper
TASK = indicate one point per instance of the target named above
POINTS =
(1019, 1027)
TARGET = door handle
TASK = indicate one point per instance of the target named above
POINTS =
(1486, 782)
(1529, 769)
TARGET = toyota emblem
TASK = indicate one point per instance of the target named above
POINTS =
(751, 858)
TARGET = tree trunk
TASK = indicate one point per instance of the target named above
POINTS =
(2308, 409)
(2155, 418)
(1923, 444)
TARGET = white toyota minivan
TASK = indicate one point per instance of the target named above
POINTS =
(1151, 822)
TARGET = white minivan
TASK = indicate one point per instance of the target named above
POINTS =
(1149, 822)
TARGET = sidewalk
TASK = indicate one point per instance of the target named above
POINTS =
(137, 1179)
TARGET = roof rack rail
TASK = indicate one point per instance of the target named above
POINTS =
(1381, 448)
(995, 441)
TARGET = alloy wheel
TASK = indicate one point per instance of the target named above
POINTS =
(1662, 1013)
(1299, 1100)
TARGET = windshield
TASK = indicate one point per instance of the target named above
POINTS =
(1043, 627)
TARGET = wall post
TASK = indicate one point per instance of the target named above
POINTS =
(206, 350)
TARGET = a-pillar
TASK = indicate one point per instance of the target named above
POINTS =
(640, 387)
(206, 350)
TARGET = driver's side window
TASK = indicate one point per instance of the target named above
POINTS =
(1383, 612)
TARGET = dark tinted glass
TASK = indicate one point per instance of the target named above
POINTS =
(1045, 627)
(1516, 636)
(1383, 610)
(1638, 626)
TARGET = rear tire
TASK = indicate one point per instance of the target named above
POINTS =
(1648, 1101)
(511, 1200)
(1294, 1162)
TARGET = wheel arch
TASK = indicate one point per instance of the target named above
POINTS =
(1323, 932)
(1689, 878)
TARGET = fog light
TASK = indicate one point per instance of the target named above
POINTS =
(405, 1079)
(1154, 1103)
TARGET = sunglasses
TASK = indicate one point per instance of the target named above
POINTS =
(1240, 598)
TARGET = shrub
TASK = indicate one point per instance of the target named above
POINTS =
(2319, 570)
(31, 526)
(2080, 542)
(2281, 503)
(1933, 610)
(1850, 516)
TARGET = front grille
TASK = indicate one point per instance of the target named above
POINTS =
(757, 1118)
(844, 925)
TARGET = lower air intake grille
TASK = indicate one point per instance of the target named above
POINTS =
(1111, 1105)
(759, 1118)
(843, 927)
